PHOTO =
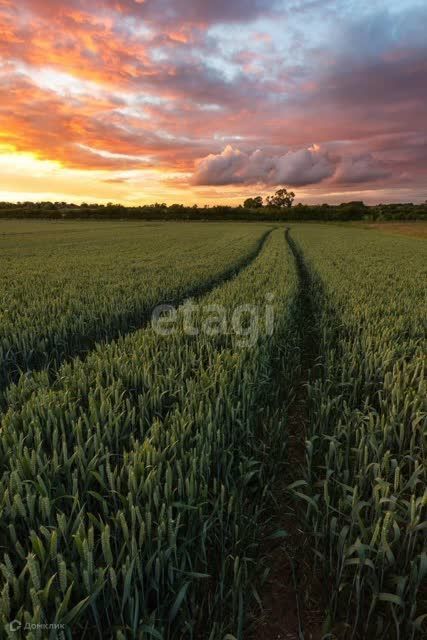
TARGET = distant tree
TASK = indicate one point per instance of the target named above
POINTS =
(253, 203)
(281, 199)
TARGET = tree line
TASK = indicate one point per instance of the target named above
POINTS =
(276, 208)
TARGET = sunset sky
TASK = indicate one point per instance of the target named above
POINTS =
(210, 101)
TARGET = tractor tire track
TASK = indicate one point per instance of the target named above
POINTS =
(133, 322)
(291, 597)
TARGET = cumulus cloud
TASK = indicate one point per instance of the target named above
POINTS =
(357, 169)
(305, 166)
(296, 168)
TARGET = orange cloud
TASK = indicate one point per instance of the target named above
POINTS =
(178, 36)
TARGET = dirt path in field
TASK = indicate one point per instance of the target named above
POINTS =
(292, 595)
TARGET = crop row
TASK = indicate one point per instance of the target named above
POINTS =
(364, 492)
(133, 483)
(66, 286)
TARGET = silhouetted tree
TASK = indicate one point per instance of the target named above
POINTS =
(253, 203)
(281, 199)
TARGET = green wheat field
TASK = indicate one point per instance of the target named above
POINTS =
(140, 473)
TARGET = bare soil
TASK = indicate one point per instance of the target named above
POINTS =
(292, 595)
(414, 229)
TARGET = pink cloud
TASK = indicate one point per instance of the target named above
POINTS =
(231, 166)
(360, 169)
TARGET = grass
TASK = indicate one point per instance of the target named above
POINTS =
(137, 471)
(364, 487)
(139, 475)
(67, 285)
